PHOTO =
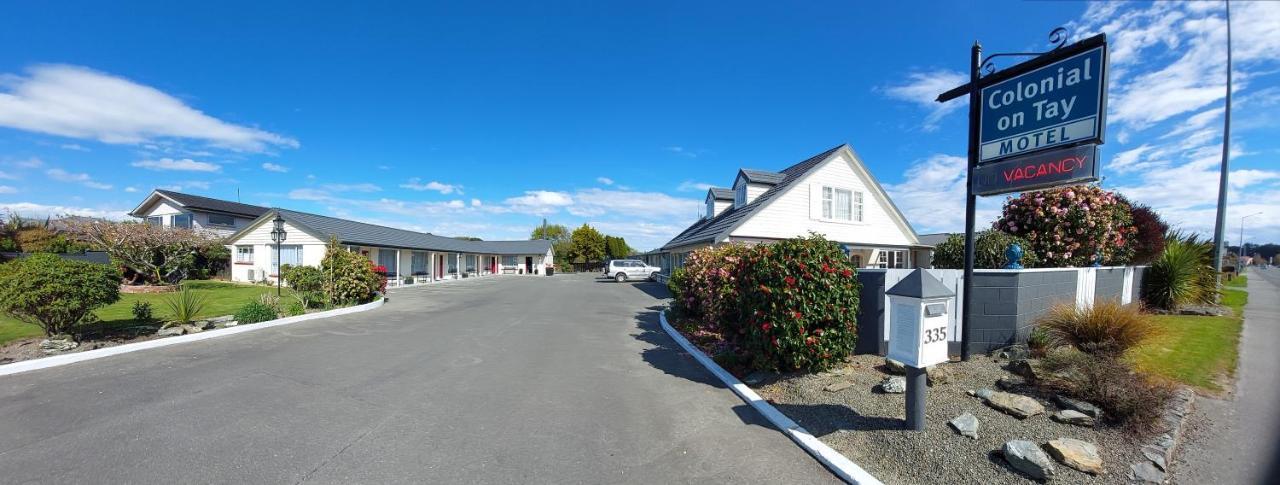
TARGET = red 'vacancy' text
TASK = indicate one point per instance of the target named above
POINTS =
(1065, 165)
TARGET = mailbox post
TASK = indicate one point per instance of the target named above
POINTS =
(919, 305)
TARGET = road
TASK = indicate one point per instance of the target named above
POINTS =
(1236, 440)
(494, 380)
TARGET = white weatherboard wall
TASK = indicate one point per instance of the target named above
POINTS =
(792, 214)
(263, 249)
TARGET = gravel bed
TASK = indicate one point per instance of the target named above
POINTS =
(866, 426)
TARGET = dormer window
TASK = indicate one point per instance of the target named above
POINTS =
(740, 195)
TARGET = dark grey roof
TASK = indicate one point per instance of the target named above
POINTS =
(705, 230)
(364, 234)
(933, 239)
(215, 205)
(920, 284)
(721, 193)
(762, 177)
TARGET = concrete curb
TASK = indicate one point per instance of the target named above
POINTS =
(67, 359)
(839, 465)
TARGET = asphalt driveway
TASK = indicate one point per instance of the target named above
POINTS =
(494, 380)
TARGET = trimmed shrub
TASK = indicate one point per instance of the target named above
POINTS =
(349, 277)
(1127, 398)
(254, 312)
(1071, 226)
(988, 251)
(296, 308)
(142, 311)
(798, 304)
(55, 293)
(710, 288)
(675, 284)
(1182, 275)
(1149, 231)
(184, 306)
(1106, 326)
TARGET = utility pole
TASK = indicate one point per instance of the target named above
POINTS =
(970, 200)
(1220, 226)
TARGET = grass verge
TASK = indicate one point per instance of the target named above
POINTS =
(221, 298)
(1195, 350)
(1237, 282)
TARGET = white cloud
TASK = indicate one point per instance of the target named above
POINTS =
(415, 183)
(274, 167)
(604, 180)
(923, 88)
(476, 203)
(5, 189)
(79, 178)
(539, 202)
(197, 184)
(78, 102)
(691, 186)
(655, 206)
(365, 187)
(74, 147)
(932, 196)
(33, 210)
(679, 150)
(185, 165)
(29, 163)
(130, 189)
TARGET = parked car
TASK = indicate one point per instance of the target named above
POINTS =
(624, 269)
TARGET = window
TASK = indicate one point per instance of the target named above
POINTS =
(221, 220)
(471, 263)
(508, 260)
(155, 221)
(841, 204)
(892, 259)
(453, 262)
(711, 208)
(419, 263)
(387, 258)
(857, 260)
(740, 195)
(180, 220)
(289, 254)
(244, 254)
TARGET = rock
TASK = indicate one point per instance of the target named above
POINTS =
(939, 374)
(754, 378)
(1014, 352)
(1071, 416)
(171, 331)
(223, 319)
(894, 367)
(225, 324)
(1081, 455)
(1008, 383)
(1204, 310)
(1024, 368)
(894, 385)
(1021, 407)
(1146, 472)
(1156, 455)
(1028, 458)
(966, 424)
(55, 345)
(193, 328)
(1065, 402)
(982, 394)
(839, 386)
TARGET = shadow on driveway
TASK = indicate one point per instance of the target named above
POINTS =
(666, 355)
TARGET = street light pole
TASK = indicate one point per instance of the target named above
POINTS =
(278, 236)
(1221, 223)
(1241, 253)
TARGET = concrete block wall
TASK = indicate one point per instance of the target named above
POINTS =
(1109, 284)
(870, 313)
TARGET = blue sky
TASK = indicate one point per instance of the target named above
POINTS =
(483, 119)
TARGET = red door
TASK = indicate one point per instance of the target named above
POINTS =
(493, 264)
(439, 267)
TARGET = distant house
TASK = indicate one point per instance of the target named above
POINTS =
(175, 209)
(831, 193)
(424, 257)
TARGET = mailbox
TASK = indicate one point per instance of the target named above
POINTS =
(919, 305)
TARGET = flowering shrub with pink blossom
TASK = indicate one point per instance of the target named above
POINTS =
(1071, 226)
(798, 304)
(709, 291)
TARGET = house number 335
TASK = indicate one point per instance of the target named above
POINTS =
(932, 335)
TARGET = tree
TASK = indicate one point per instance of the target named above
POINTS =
(587, 245)
(616, 247)
(553, 232)
(156, 254)
(1071, 226)
(56, 293)
(1149, 231)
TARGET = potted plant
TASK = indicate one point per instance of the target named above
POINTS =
(408, 280)
(550, 269)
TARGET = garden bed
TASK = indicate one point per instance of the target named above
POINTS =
(845, 409)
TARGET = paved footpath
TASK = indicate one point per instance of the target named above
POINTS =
(494, 380)
(1235, 441)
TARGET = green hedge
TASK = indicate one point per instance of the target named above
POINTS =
(988, 251)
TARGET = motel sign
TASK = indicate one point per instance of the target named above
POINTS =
(1058, 104)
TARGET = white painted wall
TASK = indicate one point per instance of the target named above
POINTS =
(260, 238)
(164, 209)
(796, 212)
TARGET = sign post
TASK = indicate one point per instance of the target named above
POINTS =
(1055, 101)
(918, 334)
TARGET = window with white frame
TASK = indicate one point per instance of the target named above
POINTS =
(180, 220)
(290, 254)
(841, 204)
(155, 221)
(892, 259)
(419, 263)
(222, 220)
(244, 254)
(740, 195)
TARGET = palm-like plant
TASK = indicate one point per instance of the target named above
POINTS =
(1182, 274)
(184, 306)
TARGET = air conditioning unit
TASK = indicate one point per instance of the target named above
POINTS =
(253, 274)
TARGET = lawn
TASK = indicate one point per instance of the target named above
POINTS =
(1195, 350)
(1237, 282)
(221, 298)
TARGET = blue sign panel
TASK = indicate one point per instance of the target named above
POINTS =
(1058, 104)
(1063, 166)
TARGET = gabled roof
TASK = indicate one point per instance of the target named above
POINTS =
(921, 285)
(761, 176)
(365, 234)
(713, 229)
(721, 193)
(197, 202)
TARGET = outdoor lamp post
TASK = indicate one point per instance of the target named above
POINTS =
(1241, 252)
(277, 236)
